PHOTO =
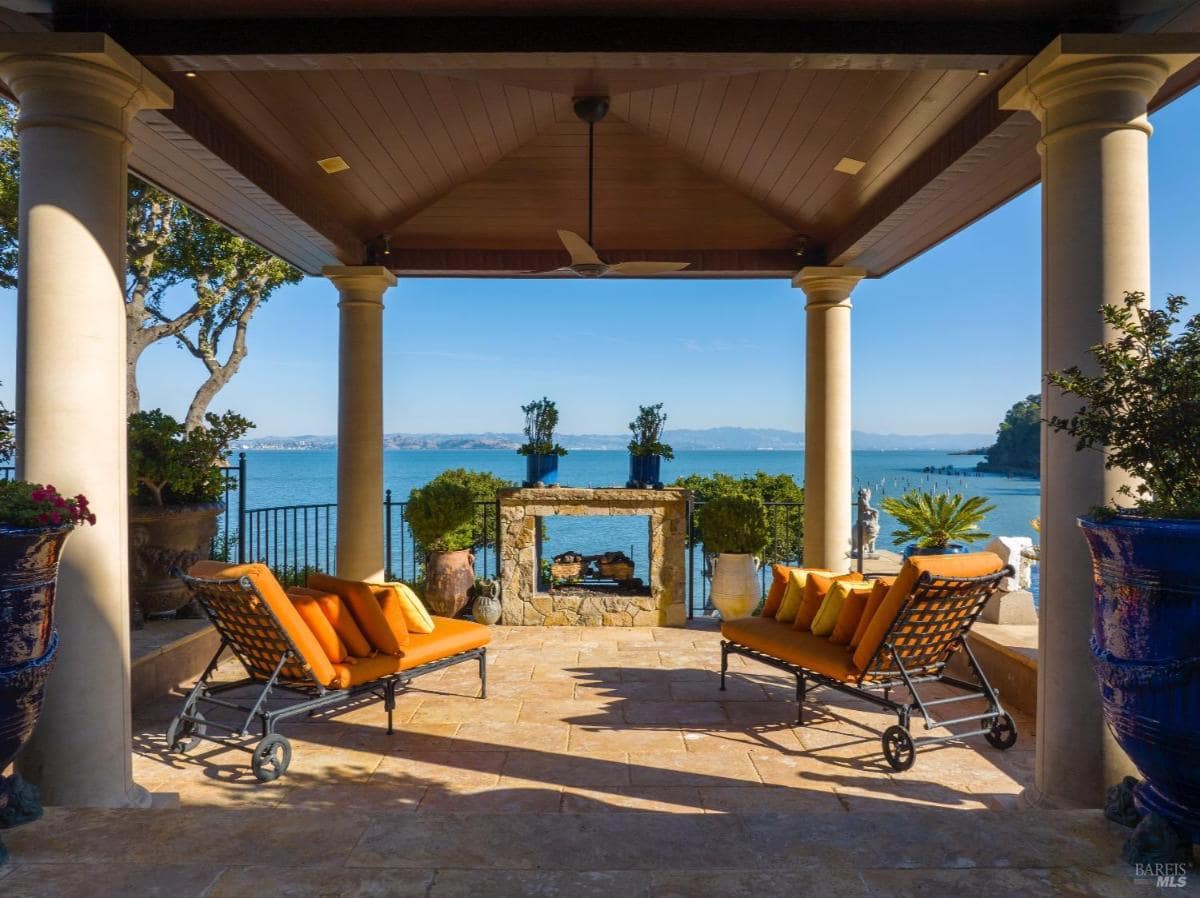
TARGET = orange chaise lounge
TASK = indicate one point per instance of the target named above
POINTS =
(310, 648)
(892, 634)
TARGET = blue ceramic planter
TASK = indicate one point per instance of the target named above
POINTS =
(644, 471)
(1146, 653)
(541, 469)
(28, 647)
(953, 549)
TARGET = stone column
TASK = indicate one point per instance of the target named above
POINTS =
(827, 476)
(77, 95)
(1090, 93)
(360, 419)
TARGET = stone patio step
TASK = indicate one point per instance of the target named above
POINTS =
(345, 852)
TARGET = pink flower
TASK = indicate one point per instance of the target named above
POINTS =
(56, 518)
(43, 519)
(91, 519)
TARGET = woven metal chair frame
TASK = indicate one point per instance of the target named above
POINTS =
(929, 629)
(277, 672)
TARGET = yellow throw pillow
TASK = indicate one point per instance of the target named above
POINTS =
(794, 594)
(416, 616)
(827, 615)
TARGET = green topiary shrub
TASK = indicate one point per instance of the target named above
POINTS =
(440, 514)
(734, 524)
(541, 417)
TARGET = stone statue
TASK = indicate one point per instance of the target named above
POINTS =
(869, 517)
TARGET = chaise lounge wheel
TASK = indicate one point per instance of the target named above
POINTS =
(271, 758)
(898, 748)
(185, 733)
(1003, 733)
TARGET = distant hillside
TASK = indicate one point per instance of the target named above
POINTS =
(738, 439)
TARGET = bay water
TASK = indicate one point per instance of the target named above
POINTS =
(301, 477)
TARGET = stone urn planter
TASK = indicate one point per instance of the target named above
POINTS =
(735, 588)
(28, 647)
(486, 609)
(449, 577)
(1146, 653)
(163, 538)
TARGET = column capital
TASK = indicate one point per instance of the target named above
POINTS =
(828, 285)
(1082, 81)
(78, 80)
(360, 283)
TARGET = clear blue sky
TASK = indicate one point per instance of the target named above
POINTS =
(945, 344)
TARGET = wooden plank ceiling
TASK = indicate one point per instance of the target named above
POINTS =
(465, 153)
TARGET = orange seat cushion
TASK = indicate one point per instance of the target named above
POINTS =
(779, 582)
(311, 653)
(393, 612)
(449, 637)
(878, 594)
(356, 671)
(815, 590)
(974, 564)
(365, 608)
(338, 614)
(306, 603)
(780, 640)
(847, 620)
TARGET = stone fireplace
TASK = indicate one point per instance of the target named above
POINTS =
(524, 604)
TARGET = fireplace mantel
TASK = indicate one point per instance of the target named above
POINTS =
(522, 604)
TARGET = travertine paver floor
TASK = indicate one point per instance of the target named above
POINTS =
(604, 762)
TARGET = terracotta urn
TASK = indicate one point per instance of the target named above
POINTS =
(448, 578)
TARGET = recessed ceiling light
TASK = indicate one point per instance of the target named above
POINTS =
(848, 166)
(333, 164)
(189, 74)
(982, 73)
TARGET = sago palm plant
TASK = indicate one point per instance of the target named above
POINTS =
(935, 520)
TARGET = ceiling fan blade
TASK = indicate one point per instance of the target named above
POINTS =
(581, 252)
(564, 270)
(641, 269)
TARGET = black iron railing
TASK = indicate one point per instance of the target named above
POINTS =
(785, 545)
(294, 540)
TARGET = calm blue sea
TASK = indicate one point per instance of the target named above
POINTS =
(302, 477)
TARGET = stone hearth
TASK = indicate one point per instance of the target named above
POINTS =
(521, 602)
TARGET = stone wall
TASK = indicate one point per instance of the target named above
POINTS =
(521, 604)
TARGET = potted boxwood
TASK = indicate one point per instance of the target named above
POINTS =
(937, 523)
(540, 451)
(177, 485)
(440, 516)
(35, 521)
(646, 449)
(734, 529)
(1142, 410)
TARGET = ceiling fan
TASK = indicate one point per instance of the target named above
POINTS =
(585, 262)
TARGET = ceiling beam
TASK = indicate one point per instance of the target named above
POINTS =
(545, 34)
(716, 263)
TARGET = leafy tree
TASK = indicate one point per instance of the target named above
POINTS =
(1018, 446)
(8, 445)
(168, 245)
(1142, 407)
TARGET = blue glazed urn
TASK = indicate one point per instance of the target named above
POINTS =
(644, 472)
(1146, 653)
(541, 470)
(953, 549)
(28, 648)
